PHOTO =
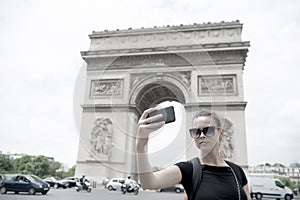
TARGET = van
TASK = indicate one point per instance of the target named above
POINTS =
(269, 188)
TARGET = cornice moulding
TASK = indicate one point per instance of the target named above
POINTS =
(166, 50)
(166, 29)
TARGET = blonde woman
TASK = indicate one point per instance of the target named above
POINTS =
(220, 179)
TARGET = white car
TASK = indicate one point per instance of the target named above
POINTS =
(115, 183)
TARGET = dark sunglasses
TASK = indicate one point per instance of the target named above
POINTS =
(207, 131)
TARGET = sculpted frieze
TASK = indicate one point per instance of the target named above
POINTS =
(101, 138)
(217, 85)
(172, 59)
(166, 37)
(106, 88)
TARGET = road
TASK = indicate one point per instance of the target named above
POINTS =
(96, 194)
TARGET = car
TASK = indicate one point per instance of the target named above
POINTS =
(178, 188)
(1, 179)
(115, 183)
(23, 183)
(53, 182)
(70, 181)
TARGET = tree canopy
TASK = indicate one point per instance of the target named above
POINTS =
(39, 166)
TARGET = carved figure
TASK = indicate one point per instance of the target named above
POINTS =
(101, 142)
(105, 88)
(226, 143)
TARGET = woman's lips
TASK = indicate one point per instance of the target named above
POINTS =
(203, 142)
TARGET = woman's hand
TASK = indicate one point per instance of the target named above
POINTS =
(145, 127)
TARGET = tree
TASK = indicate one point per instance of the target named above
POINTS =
(23, 165)
(6, 164)
(54, 168)
(287, 182)
(41, 166)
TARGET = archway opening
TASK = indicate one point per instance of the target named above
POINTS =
(155, 93)
(167, 145)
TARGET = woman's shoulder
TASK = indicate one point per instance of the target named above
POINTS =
(184, 163)
(240, 172)
(185, 167)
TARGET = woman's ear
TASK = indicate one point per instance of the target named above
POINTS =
(222, 131)
(221, 134)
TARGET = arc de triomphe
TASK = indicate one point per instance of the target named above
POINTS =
(128, 71)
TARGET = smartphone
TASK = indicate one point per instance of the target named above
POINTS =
(168, 114)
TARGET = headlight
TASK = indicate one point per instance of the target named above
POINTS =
(40, 186)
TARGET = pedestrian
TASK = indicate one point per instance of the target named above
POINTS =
(207, 176)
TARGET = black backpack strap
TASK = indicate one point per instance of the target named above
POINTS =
(236, 170)
(197, 177)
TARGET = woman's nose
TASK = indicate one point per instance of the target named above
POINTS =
(202, 135)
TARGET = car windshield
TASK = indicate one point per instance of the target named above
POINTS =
(34, 178)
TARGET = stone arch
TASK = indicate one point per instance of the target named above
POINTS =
(148, 72)
(153, 90)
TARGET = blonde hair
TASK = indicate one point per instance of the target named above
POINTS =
(208, 113)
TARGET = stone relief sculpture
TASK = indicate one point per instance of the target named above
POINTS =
(101, 137)
(226, 142)
(186, 78)
(216, 84)
(101, 88)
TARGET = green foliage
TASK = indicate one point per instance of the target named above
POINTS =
(6, 164)
(287, 182)
(39, 166)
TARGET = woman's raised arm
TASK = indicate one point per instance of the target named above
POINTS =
(148, 179)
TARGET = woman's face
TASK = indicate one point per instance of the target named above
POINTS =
(206, 143)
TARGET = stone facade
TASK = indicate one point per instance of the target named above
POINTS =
(128, 71)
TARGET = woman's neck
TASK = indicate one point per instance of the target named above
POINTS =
(214, 160)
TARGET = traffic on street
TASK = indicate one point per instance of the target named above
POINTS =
(96, 194)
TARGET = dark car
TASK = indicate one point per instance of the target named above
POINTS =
(23, 183)
(69, 181)
(53, 182)
(178, 188)
(1, 179)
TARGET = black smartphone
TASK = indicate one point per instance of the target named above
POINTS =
(168, 114)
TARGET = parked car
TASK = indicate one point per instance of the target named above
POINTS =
(53, 182)
(70, 181)
(1, 179)
(178, 188)
(115, 183)
(23, 183)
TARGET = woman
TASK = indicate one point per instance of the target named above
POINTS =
(218, 180)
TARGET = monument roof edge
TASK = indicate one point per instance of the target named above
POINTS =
(167, 28)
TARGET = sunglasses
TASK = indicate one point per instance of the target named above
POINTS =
(207, 131)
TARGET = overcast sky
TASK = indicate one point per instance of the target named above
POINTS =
(40, 44)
